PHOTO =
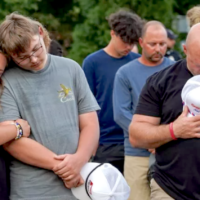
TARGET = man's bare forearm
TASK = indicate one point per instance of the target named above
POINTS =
(87, 143)
(31, 152)
(146, 131)
(89, 137)
(8, 133)
(145, 135)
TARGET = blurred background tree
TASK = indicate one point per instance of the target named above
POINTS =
(58, 16)
(80, 26)
(94, 33)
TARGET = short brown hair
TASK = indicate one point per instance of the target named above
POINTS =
(126, 25)
(193, 15)
(16, 32)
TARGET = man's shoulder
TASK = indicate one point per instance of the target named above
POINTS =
(129, 70)
(128, 66)
(94, 60)
(10, 71)
(95, 55)
(66, 63)
(164, 75)
(134, 55)
(62, 59)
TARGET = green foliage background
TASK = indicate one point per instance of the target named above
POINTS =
(93, 32)
(81, 26)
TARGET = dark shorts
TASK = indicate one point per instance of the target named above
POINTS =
(111, 153)
(4, 175)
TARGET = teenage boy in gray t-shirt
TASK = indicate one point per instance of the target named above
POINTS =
(52, 94)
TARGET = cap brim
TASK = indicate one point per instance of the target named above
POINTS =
(80, 192)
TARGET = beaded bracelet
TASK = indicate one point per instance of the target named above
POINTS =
(19, 130)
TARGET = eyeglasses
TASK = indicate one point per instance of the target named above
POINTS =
(25, 59)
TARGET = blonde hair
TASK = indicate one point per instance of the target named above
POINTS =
(193, 15)
(17, 31)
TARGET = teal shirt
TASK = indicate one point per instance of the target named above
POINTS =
(129, 81)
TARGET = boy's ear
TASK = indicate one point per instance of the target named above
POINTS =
(41, 32)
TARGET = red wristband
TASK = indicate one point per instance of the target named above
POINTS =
(172, 131)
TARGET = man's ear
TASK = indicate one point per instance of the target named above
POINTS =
(185, 49)
(141, 42)
(112, 33)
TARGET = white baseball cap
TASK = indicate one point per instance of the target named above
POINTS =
(102, 182)
(191, 95)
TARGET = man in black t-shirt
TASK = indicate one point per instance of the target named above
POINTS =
(160, 122)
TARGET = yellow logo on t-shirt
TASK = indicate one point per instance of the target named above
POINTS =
(65, 94)
(64, 90)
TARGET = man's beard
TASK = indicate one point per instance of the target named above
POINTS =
(159, 57)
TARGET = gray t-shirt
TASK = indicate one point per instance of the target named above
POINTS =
(51, 100)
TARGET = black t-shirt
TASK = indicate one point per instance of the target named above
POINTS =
(177, 168)
(4, 174)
